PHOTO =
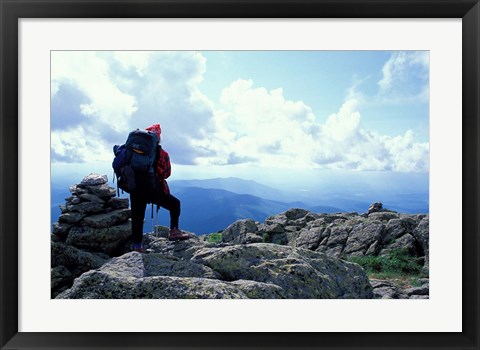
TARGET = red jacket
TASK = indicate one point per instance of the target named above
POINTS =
(164, 169)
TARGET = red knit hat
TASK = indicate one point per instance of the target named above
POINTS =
(156, 129)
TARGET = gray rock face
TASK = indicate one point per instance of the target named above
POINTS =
(75, 260)
(104, 220)
(295, 254)
(240, 231)
(106, 240)
(93, 180)
(99, 285)
(345, 234)
(363, 236)
(300, 273)
(389, 290)
(94, 224)
(233, 271)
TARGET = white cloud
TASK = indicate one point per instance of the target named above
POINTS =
(262, 127)
(89, 73)
(128, 90)
(78, 144)
(251, 125)
(405, 77)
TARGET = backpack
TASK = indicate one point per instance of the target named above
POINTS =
(136, 155)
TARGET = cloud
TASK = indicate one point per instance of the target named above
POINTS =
(97, 97)
(405, 77)
(122, 91)
(254, 125)
(78, 144)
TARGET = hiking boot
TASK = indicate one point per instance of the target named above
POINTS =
(137, 248)
(176, 235)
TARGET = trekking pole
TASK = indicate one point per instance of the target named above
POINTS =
(156, 222)
(152, 217)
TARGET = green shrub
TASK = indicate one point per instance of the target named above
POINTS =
(214, 237)
(266, 237)
(397, 262)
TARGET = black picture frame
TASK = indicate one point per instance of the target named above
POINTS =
(12, 10)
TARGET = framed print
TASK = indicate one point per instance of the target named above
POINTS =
(254, 104)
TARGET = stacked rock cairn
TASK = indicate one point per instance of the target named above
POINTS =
(93, 226)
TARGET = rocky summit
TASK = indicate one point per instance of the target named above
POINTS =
(293, 255)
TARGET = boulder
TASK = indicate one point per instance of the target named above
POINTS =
(105, 220)
(237, 232)
(70, 218)
(103, 191)
(101, 285)
(93, 180)
(404, 242)
(383, 216)
(300, 273)
(118, 203)
(75, 260)
(91, 198)
(308, 238)
(85, 208)
(61, 229)
(147, 276)
(387, 290)
(138, 265)
(374, 207)
(363, 236)
(107, 240)
(421, 234)
(60, 277)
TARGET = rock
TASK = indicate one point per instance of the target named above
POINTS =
(138, 265)
(86, 208)
(419, 297)
(398, 227)
(386, 290)
(405, 242)
(308, 238)
(271, 228)
(93, 180)
(182, 249)
(299, 272)
(383, 216)
(375, 207)
(421, 234)
(237, 232)
(423, 290)
(70, 218)
(100, 285)
(362, 236)
(107, 240)
(92, 198)
(60, 277)
(76, 190)
(75, 260)
(61, 229)
(118, 203)
(103, 191)
(108, 219)
(296, 213)
(336, 240)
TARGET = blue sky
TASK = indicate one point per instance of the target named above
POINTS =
(243, 113)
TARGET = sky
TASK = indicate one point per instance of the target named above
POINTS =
(250, 114)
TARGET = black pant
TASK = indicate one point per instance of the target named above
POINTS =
(138, 202)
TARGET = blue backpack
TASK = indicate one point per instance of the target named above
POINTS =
(136, 155)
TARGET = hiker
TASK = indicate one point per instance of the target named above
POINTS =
(154, 189)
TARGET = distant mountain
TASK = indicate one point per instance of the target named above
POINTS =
(210, 210)
(213, 204)
(235, 185)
